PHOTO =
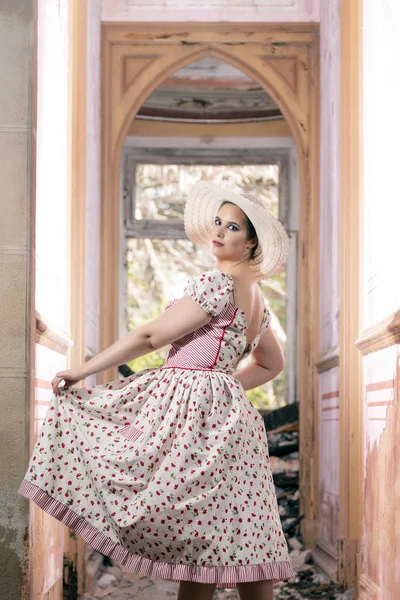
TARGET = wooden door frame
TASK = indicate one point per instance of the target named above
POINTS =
(351, 295)
(284, 60)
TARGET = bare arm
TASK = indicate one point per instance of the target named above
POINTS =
(183, 317)
(268, 362)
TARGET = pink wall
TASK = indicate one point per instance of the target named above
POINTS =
(329, 278)
(380, 558)
(380, 546)
(211, 10)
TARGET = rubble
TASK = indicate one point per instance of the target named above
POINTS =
(285, 465)
(299, 559)
(309, 584)
(106, 579)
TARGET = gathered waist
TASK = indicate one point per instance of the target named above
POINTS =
(230, 372)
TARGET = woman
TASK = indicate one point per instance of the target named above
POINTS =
(167, 471)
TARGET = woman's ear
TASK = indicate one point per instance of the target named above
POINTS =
(252, 243)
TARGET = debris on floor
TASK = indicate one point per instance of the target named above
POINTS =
(282, 426)
(115, 584)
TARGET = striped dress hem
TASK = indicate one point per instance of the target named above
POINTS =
(227, 577)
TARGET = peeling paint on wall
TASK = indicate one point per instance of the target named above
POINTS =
(380, 544)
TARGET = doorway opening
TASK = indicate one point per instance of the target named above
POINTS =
(283, 61)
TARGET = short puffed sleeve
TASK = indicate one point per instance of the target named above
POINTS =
(211, 290)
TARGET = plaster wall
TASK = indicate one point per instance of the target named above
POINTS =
(16, 67)
(93, 130)
(380, 560)
(381, 46)
(211, 10)
(329, 455)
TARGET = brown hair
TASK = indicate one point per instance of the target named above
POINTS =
(251, 232)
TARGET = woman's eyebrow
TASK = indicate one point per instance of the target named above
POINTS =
(229, 222)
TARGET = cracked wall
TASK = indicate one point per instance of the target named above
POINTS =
(16, 20)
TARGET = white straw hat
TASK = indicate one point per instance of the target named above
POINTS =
(201, 209)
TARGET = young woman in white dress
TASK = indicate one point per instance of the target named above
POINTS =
(248, 244)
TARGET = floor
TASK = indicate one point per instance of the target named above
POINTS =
(114, 584)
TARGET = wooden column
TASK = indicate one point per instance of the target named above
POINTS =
(74, 545)
(351, 484)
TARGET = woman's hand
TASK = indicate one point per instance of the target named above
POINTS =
(70, 377)
(268, 362)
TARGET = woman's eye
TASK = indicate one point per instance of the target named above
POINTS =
(234, 228)
(217, 222)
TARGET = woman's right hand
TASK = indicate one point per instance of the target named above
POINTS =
(70, 377)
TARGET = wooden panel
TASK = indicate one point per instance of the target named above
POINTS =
(287, 68)
(205, 33)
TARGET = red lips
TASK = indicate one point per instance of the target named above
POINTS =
(216, 243)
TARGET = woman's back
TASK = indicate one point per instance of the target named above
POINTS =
(221, 343)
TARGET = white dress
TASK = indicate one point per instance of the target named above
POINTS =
(167, 471)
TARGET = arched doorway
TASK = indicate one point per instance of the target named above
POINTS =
(284, 61)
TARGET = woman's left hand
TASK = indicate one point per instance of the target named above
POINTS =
(70, 377)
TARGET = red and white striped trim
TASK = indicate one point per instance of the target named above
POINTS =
(130, 432)
(221, 576)
(202, 347)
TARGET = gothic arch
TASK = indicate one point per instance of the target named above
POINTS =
(145, 68)
(283, 59)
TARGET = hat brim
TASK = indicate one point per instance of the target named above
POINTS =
(202, 207)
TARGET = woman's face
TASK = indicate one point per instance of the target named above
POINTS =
(229, 234)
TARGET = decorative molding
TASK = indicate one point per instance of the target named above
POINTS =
(325, 556)
(328, 361)
(380, 335)
(287, 68)
(133, 67)
(51, 337)
(266, 33)
(369, 590)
